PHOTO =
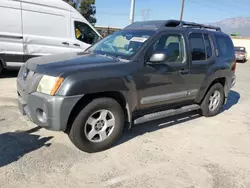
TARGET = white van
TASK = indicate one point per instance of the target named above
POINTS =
(30, 28)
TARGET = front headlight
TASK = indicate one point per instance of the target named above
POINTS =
(49, 84)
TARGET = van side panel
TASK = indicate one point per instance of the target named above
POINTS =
(46, 29)
(11, 38)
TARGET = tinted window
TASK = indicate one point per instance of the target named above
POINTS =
(171, 45)
(240, 49)
(225, 45)
(208, 46)
(197, 47)
(85, 33)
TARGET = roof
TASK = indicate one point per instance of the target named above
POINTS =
(60, 4)
(51, 3)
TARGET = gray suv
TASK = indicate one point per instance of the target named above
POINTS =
(147, 71)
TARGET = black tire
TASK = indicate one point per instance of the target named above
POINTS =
(77, 132)
(205, 111)
(1, 68)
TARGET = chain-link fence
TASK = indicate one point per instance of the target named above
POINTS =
(105, 31)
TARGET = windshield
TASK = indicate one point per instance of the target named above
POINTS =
(122, 44)
(239, 49)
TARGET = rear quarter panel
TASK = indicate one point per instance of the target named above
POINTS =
(213, 73)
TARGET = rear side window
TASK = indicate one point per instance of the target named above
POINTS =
(225, 45)
(208, 46)
(197, 47)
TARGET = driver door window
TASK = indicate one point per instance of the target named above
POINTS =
(84, 33)
(172, 45)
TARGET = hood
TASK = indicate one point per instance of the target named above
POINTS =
(55, 65)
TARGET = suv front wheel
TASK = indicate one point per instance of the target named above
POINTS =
(213, 101)
(98, 126)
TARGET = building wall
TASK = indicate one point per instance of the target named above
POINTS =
(243, 41)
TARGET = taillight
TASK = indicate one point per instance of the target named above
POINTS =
(234, 65)
(240, 53)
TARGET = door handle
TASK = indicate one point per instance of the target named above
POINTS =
(78, 45)
(184, 71)
(65, 43)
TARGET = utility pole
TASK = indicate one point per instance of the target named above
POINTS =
(145, 14)
(182, 9)
(132, 12)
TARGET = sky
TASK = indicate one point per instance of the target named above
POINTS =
(115, 13)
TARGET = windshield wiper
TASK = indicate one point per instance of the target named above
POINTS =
(106, 55)
(112, 56)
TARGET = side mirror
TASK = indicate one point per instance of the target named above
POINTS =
(158, 58)
(99, 38)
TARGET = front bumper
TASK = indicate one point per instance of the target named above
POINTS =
(56, 109)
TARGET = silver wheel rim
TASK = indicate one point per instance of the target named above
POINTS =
(214, 100)
(99, 126)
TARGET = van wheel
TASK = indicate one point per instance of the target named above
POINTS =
(213, 101)
(1, 67)
(98, 126)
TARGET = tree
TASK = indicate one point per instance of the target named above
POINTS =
(88, 10)
(72, 2)
(235, 34)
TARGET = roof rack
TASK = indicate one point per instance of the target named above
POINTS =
(178, 23)
(156, 24)
(201, 26)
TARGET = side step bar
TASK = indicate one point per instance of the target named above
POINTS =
(166, 113)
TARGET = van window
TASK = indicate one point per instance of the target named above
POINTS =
(208, 46)
(225, 45)
(197, 47)
(85, 33)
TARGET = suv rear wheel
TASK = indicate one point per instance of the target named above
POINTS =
(98, 126)
(213, 101)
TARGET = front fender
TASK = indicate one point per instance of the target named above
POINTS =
(124, 85)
